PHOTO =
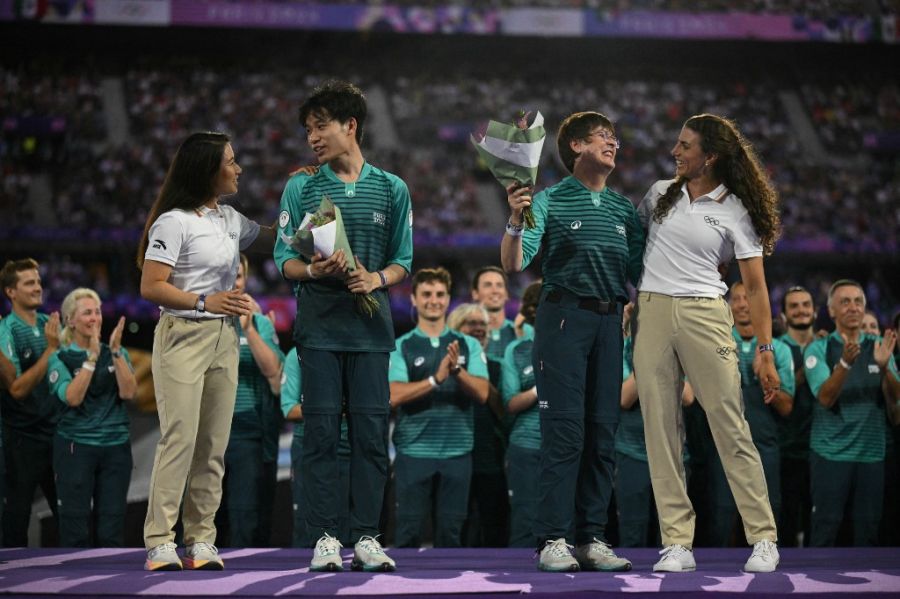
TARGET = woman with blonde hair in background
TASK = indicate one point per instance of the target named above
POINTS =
(91, 449)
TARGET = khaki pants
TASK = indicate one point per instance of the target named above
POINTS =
(195, 365)
(692, 336)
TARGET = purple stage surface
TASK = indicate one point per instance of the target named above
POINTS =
(446, 572)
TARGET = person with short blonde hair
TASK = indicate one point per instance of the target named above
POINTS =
(91, 449)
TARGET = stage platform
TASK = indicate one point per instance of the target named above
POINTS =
(448, 573)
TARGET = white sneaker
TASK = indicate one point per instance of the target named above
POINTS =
(327, 555)
(676, 558)
(369, 556)
(202, 556)
(764, 557)
(163, 557)
(556, 556)
(598, 556)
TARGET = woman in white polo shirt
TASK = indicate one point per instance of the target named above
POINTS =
(720, 206)
(189, 255)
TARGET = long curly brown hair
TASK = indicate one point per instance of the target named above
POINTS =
(739, 168)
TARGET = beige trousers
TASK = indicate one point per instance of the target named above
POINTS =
(195, 366)
(692, 336)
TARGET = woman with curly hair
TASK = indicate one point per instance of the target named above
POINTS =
(720, 206)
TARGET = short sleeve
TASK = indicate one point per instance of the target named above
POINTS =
(249, 230)
(290, 382)
(531, 238)
(784, 364)
(400, 250)
(746, 241)
(477, 364)
(165, 238)
(7, 346)
(398, 371)
(815, 365)
(58, 377)
(289, 218)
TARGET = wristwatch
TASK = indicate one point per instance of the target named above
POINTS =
(200, 306)
(766, 347)
(92, 357)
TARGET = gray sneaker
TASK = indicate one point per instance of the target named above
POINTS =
(327, 555)
(598, 556)
(202, 556)
(764, 557)
(556, 556)
(369, 556)
(675, 558)
(163, 557)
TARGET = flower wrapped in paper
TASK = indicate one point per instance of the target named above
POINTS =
(512, 152)
(322, 232)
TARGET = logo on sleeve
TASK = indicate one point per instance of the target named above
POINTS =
(283, 219)
(54, 376)
(159, 244)
(283, 377)
(811, 362)
(410, 218)
(232, 235)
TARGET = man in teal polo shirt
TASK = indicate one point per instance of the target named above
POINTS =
(854, 379)
(436, 376)
(345, 352)
(30, 412)
(592, 242)
(764, 418)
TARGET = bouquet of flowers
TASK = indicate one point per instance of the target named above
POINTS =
(512, 152)
(323, 233)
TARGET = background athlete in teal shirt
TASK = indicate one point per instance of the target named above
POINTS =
(592, 242)
(854, 379)
(27, 338)
(91, 450)
(436, 376)
(345, 353)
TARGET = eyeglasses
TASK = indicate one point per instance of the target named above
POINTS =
(606, 136)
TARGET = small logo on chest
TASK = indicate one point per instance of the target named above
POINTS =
(711, 221)
(419, 361)
(620, 229)
(576, 224)
(232, 235)
(379, 218)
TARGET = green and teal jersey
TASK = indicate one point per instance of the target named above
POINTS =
(793, 434)
(256, 413)
(35, 416)
(377, 215)
(291, 378)
(853, 429)
(499, 339)
(518, 376)
(764, 421)
(101, 419)
(593, 242)
(440, 424)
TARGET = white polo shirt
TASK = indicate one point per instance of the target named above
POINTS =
(203, 248)
(684, 252)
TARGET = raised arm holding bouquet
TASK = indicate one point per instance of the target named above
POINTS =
(512, 153)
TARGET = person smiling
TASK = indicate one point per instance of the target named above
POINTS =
(345, 354)
(91, 450)
(720, 206)
(592, 244)
(189, 255)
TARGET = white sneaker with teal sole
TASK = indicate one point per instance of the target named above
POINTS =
(327, 555)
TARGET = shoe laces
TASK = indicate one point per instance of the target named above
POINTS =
(327, 545)
(763, 549)
(558, 548)
(601, 547)
(164, 548)
(371, 544)
(673, 551)
(201, 546)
